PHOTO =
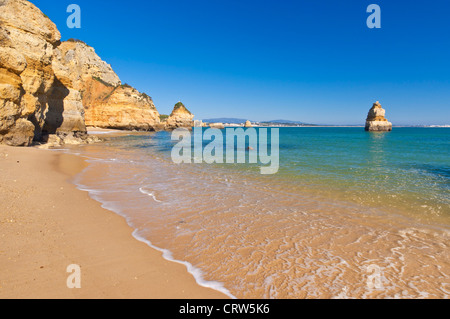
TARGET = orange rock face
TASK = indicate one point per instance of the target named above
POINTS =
(180, 117)
(48, 87)
(376, 120)
(27, 41)
(119, 108)
(107, 103)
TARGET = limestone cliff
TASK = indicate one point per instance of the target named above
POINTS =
(124, 108)
(376, 120)
(37, 95)
(49, 88)
(107, 103)
(27, 41)
(180, 117)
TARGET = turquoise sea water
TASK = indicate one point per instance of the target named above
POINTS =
(343, 201)
(408, 168)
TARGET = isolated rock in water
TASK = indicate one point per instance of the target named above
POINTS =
(180, 117)
(27, 42)
(376, 121)
(248, 124)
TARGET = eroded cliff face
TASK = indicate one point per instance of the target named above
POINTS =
(123, 108)
(107, 103)
(51, 90)
(376, 120)
(27, 41)
(65, 112)
(180, 117)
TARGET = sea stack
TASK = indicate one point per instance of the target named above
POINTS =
(376, 122)
(180, 117)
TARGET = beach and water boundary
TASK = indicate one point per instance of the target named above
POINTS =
(237, 235)
(269, 237)
(47, 224)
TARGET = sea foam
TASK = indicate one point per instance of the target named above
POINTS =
(167, 254)
(194, 271)
(149, 193)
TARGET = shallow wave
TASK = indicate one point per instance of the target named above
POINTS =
(149, 193)
(195, 272)
(259, 237)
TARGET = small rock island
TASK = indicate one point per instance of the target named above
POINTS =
(376, 121)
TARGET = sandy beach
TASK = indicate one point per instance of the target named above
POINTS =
(46, 224)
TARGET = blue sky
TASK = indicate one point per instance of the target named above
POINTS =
(307, 60)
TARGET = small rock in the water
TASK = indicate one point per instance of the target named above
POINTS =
(376, 122)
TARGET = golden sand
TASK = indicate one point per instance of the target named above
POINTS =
(46, 224)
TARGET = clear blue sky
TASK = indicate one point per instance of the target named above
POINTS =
(308, 60)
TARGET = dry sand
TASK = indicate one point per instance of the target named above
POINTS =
(47, 224)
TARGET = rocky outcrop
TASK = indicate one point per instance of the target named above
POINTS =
(180, 117)
(37, 95)
(199, 123)
(376, 121)
(220, 126)
(27, 42)
(65, 112)
(107, 103)
(248, 124)
(74, 64)
(50, 88)
(125, 108)
(84, 64)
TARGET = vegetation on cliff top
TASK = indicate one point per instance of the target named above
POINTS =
(77, 41)
(145, 96)
(163, 117)
(178, 106)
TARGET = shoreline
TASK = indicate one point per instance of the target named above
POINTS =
(48, 224)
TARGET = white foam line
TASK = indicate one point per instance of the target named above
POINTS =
(167, 254)
(194, 271)
(100, 132)
(149, 194)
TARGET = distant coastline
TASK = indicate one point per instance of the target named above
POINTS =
(238, 122)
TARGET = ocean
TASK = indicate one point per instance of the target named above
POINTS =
(349, 214)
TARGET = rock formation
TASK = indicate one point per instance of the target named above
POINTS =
(376, 120)
(219, 126)
(37, 96)
(125, 108)
(50, 91)
(180, 117)
(27, 42)
(199, 123)
(66, 112)
(107, 103)
(248, 124)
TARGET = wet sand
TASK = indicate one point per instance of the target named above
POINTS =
(46, 224)
(267, 238)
